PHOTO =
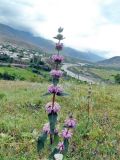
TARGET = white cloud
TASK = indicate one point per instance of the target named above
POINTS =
(86, 25)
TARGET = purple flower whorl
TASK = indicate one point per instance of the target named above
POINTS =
(66, 133)
(46, 128)
(55, 89)
(56, 73)
(50, 108)
(60, 146)
(59, 46)
(57, 58)
(70, 123)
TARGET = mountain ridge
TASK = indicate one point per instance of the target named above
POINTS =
(114, 61)
(24, 38)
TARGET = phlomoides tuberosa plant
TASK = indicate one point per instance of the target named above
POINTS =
(52, 108)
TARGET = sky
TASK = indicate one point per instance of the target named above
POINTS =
(89, 25)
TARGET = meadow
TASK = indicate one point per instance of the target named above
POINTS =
(22, 116)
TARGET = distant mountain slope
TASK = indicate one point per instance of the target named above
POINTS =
(26, 39)
(114, 61)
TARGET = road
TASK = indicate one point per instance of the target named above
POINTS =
(80, 77)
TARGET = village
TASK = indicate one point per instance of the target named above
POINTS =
(10, 53)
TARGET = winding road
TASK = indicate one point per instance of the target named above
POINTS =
(79, 77)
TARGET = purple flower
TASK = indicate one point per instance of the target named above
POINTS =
(59, 46)
(55, 89)
(49, 108)
(46, 128)
(56, 73)
(61, 146)
(57, 58)
(66, 133)
(70, 123)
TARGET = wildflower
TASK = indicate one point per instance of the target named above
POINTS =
(61, 146)
(46, 128)
(56, 73)
(52, 108)
(66, 133)
(55, 89)
(70, 123)
(57, 58)
(59, 46)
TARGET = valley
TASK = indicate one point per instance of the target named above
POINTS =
(91, 73)
(92, 91)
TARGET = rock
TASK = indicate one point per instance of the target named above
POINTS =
(58, 156)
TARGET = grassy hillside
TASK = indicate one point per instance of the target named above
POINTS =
(20, 74)
(101, 73)
(105, 74)
(111, 62)
(22, 112)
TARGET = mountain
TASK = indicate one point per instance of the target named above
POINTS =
(26, 39)
(111, 62)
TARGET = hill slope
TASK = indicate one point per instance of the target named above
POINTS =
(114, 61)
(26, 39)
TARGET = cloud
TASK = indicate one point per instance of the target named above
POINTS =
(111, 11)
(89, 24)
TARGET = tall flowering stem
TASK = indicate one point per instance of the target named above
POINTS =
(52, 108)
(54, 89)
(89, 99)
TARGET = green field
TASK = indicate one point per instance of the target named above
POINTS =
(22, 116)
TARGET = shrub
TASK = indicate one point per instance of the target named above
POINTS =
(6, 58)
(117, 78)
(7, 76)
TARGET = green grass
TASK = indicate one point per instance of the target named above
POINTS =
(105, 73)
(22, 117)
(22, 74)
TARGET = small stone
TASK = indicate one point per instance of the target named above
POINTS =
(58, 156)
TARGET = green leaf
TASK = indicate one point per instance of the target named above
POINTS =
(53, 120)
(60, 29)
(63, 94)
(55, 151)
(66, 145)
(41, 141)
(59, 37)
(46, 94)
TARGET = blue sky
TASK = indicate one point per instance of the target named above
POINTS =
(88, 24)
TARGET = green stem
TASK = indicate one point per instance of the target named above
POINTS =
(51, 139)
(53, 100)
